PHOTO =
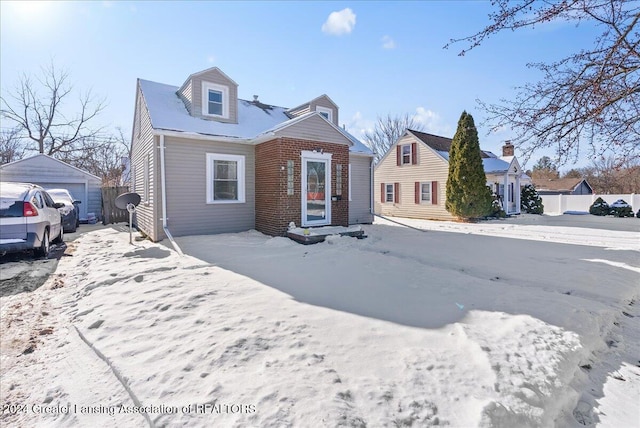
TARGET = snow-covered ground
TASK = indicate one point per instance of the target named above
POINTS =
(409, 327)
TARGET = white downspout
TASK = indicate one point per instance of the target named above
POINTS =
(371, 172)
(164, 198)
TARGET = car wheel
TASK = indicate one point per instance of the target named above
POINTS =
(60, 238)
(43, 250)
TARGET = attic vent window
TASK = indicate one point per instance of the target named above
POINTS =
(215, 100)
(326, 112)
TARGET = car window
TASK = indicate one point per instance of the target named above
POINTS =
(48, 200)
(37, 200)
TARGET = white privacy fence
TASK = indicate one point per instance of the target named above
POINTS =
(558, 204)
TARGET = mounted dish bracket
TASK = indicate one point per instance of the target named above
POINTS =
(129, 202)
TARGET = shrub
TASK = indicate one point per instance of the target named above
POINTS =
(621, 209)
(530, 200)
(467, 193)
(599, 207)
(496, 209)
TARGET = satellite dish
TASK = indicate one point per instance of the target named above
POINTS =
(125, 199)
(129, 202)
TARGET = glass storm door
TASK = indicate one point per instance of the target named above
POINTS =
(316, 200)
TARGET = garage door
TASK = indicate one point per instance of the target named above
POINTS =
(77, 190)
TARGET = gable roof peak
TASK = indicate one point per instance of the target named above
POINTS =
(198, 73)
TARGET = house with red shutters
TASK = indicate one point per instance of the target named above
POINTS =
(205, 161)
(411, 178)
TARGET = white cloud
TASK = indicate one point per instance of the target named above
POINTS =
(339, 23)
(358, 125)
(431, 121)
(388, 42)
(211, 59)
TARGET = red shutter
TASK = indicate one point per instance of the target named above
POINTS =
(414, 153)
(418, 193)
(382, 195)
(396, 192)
(434, 192)
(398, 155)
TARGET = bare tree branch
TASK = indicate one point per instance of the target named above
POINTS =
(588, 100)
(387, 130)
(36, 108)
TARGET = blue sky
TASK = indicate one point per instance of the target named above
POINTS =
(371, 58)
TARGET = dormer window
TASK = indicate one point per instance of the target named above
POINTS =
(215, 100)
(326, 112)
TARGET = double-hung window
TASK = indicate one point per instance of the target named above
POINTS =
(225, 178)
(389, 194)
(425, 192)
(215, 100)
(406, 154)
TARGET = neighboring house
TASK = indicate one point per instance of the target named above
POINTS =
(562, 186)
(411, 178)
(207, 162)
(51, 173)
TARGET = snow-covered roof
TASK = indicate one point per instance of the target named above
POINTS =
(495, 165)
(168, 112)
(442, 145)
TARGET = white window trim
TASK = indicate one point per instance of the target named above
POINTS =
(316, 156)
(147, 179)
(206, 86)
(393, 193)
(211, 157)
(326, 110)
(350, 182)
(430, 184)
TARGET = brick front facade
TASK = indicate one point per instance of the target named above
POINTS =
(275, 209)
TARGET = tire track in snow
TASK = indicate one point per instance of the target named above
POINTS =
(117, 374)
(615, 264)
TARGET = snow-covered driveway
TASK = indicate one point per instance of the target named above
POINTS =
(403, 328)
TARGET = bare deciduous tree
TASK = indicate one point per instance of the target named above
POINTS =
(37, 109)
(387, 130)
(588, 98)
(11, 148)
(606, 177)
(103, 158)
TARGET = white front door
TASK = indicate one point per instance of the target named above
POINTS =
(316, 185)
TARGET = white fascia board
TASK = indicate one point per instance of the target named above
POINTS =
(218, 138)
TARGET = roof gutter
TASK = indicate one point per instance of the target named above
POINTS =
(217, 138)
(164, 198)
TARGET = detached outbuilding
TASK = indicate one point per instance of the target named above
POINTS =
(51, 173)
(562, 186)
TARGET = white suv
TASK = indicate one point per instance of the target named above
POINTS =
(28, 219)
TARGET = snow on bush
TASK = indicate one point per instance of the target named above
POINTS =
(621, 209)
(530, 200)
(599, 207)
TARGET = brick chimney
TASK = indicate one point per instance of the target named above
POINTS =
(507, 149)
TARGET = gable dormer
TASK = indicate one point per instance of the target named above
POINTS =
(211, 95)
(322, 104)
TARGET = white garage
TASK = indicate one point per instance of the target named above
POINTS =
(51, 173)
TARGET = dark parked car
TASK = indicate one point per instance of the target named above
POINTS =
(70, 212)
(28, 219)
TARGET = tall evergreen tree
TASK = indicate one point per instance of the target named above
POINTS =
(467, 193)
